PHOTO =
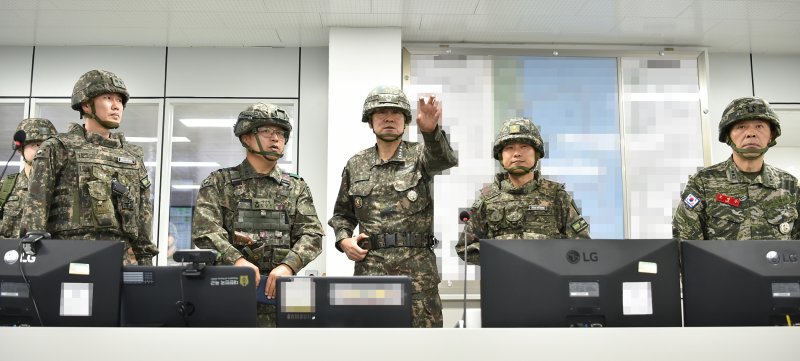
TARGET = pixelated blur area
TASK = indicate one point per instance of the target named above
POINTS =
(366, 294)
(576, 103)
(663, 139)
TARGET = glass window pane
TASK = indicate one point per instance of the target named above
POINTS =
(11, 112)
(203, 141)
(784, 154)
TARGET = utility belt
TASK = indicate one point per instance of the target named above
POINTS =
(402, 239)
(264, 256)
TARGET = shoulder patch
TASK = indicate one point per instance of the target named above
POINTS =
(295, 176)
(579, 225)
(691, 201)
(206, 183)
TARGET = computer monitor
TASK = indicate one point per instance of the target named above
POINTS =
(741, 283)
(580, 283)
(175, 296)
(72, 283)
(360, 301)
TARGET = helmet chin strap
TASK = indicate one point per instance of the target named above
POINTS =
(103, 123)
(261, 151)
(388, 137)
(520, 169)
(750, 153)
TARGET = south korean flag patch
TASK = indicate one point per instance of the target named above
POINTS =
(691, 201)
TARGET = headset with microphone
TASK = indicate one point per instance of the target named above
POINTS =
(19, 142)
(19, 139)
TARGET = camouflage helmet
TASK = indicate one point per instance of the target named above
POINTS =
(260, 114)
(386, 97)
(36, 129)
(518, 130)
(96, 82)
(748, 108)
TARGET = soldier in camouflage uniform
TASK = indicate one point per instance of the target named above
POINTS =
(89, 183)
(742, 197)
(14, 187)
(520, 204)
(255, 214)
(386, 191)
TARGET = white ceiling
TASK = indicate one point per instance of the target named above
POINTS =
(758, 26)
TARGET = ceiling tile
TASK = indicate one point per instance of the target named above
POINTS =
(270, 20)
(741, 9)
(101, 20)
(528, 8)
(425, 7)
(216, 5)
(626, 8)
(361, 20)
(107, 5)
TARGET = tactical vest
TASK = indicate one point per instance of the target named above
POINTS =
(9, 212)
(5, 191)
(101, 192)
(265, 220)
(522, 216)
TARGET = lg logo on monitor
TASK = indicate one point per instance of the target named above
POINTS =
(574, 256)
(775, 257)
(12, 256)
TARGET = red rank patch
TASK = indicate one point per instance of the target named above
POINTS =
(728, 200)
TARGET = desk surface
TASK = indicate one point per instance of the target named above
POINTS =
(651, 344)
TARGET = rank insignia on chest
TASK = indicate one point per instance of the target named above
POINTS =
(536, 207)
(358, 202)
(126, 160)
(691, 201)
(733, 201)
(412, 195)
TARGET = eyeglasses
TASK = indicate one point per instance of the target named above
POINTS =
(269, 132)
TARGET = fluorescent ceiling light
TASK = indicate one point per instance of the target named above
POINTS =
(185, 187)
(153, 139)
(11, 164)
(208, 123)
(195, 164)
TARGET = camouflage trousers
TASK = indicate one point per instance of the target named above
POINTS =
(426, 309)
(266, 315)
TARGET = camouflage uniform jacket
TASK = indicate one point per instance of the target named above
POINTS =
(394, 197)
(85, 186)
(540, 209)
(11, 211)
(719, 202)
(217, 212)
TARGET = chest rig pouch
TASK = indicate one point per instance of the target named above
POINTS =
(266, 221)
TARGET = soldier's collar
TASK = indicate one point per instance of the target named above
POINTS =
(767, 176)
(506, 186)
(111, 142)
(246, 171)
(398, 157)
